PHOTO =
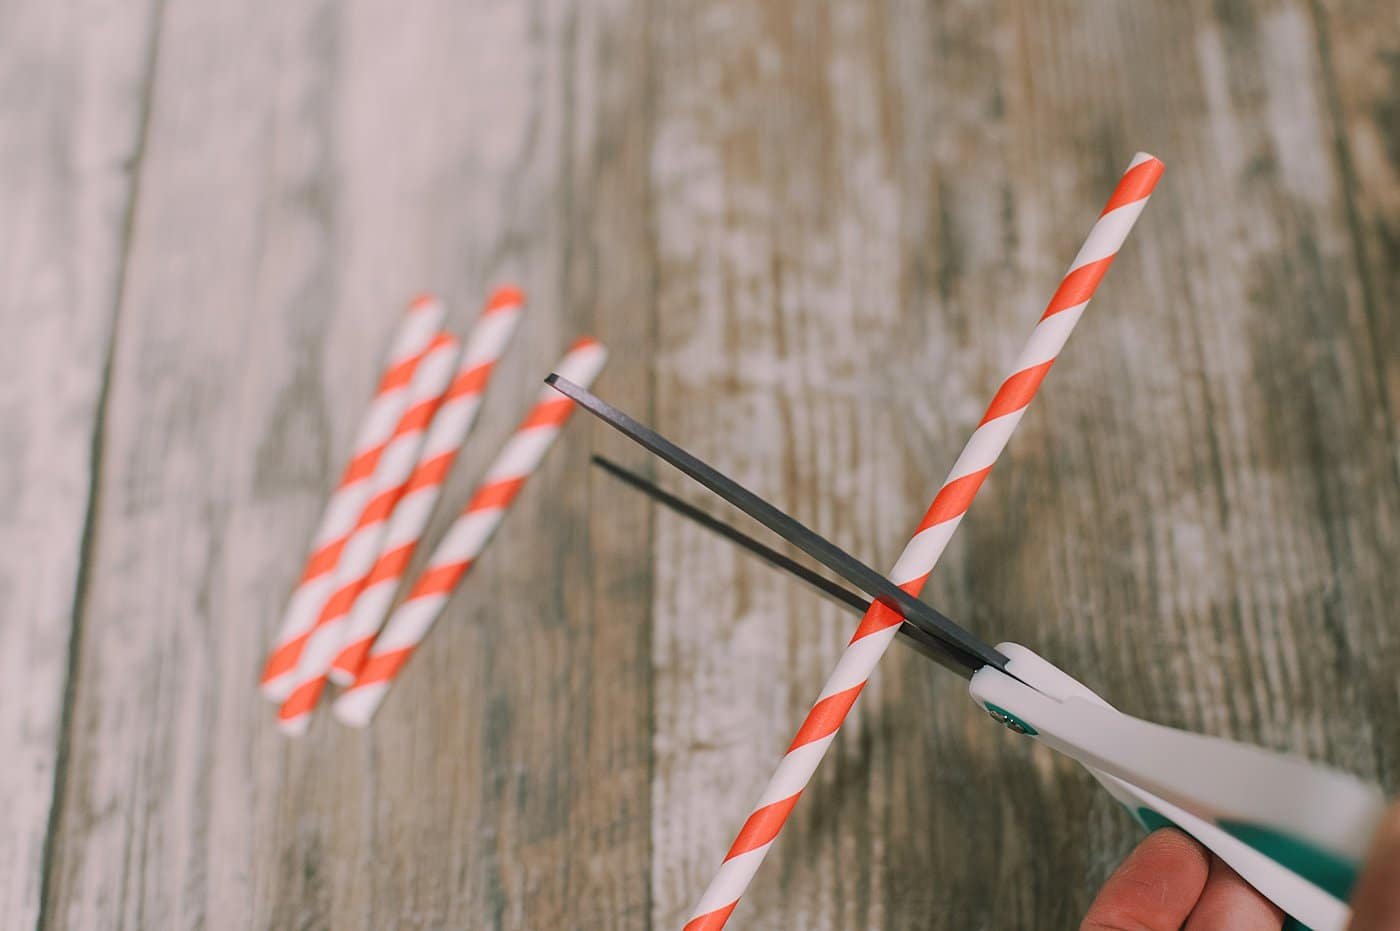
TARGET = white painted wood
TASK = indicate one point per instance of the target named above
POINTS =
(813, 240)
(309, 168)
(72, 80)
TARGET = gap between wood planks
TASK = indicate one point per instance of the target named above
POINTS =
(87, 541)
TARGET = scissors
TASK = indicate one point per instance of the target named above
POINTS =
(1294, 830)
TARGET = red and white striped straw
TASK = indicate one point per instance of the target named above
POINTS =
(421, 321)
(362, 548)
(484, 344)
(467, 537)
(880, 624)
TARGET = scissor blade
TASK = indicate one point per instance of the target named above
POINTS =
(968, 650)
(852, 601)
(838, 593)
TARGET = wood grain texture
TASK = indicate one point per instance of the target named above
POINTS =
(72, 97)
(297, 159)
(814, 237)
(870, 205)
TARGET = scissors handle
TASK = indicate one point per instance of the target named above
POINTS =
(1294, 830)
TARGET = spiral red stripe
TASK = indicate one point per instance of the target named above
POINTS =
(1016, 392)
(398, 375)
(362, 466)
(826, 716)
(323, 560)
(876, 619)
(472, 381)
(283, 658)
(466, 538)
(953, 499)
(431, 473)
(496, 495)
(322, 643)
(763, 825)
(878, 628)
(400, 531)
(1077, 287)
(712, 921)
(505, 298)
(417, 418)
(1135, 185)
(380, 507)
(421, 321)
(340, 602)
(439, 580)
(381, 667)
(391, 565)
(552, 414)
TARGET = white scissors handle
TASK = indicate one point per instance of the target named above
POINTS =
(1294, 830)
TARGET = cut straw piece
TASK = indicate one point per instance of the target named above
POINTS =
(484, 344)
(390, 479)
(467, 537)
(421, 322)
(880, 624)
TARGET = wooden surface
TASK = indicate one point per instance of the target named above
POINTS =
(814, 237)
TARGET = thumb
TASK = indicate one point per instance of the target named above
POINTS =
(1376, 901)
(1155, 888)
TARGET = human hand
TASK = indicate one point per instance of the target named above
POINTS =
(1170, 882)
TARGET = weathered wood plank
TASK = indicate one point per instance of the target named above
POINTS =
(814, 238)
(861, 211)
(72, 80)
(310, 166)
(1359, 52)
(529, 708)
(204, 502)
(1360, 49)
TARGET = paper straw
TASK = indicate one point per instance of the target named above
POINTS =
(880, 624)
(467, 537)
(400, 455)
(421, 321)
(484, 345)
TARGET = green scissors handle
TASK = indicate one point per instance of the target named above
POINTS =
(1294, 830)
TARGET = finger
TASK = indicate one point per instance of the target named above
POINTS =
(1375, 905)
(1155, 888)
(1228, 903)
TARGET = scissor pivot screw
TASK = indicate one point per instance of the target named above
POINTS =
(1007, 721)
